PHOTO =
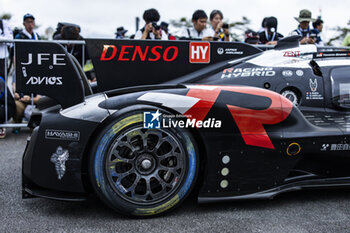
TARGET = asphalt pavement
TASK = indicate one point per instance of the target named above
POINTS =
(303, 211)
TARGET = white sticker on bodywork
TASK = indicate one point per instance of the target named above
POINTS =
(59, 158)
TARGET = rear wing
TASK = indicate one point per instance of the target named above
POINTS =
(46, 68)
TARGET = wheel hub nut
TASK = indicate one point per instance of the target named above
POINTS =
(146, 164)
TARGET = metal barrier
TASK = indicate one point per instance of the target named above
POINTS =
(10, 43)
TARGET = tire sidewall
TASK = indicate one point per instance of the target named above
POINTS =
(102, 186)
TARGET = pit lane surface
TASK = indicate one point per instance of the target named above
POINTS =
(304, 211)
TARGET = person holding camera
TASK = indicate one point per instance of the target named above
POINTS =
(151, 30)
(303, 28)
(218, 28)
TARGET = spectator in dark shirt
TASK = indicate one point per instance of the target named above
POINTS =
(71, 31)
(316, 31)
(23, 102)
(120, 34)
(270, 36)
(164, 27)
(28, 33)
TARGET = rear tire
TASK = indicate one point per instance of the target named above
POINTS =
(143, 172)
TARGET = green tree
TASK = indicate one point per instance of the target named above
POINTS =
(7, 16)
(341, 33)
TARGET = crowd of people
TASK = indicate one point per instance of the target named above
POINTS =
(217, 30)
(19, 105)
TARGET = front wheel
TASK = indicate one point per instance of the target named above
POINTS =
(140, 171)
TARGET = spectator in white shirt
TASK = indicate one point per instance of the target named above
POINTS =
(199, 30)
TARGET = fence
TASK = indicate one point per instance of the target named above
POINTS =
(7, 71)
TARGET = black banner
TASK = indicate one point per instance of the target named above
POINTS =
(124, 63)
(47, 69)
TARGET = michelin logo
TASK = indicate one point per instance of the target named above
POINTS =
(151, 120)
(59, 158)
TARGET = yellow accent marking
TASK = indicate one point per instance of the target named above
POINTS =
(126, 122)
(158, 209)
(292, 144)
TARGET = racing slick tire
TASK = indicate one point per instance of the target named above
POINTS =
(143, 171)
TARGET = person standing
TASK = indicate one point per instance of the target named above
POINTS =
(199, 30)
(217, 27)
(316, 31)
(28, 33)
(151, 30)
(270, 36)
(24, 101)
(304, 28)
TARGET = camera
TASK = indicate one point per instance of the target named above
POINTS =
(155, 26)
(313, 35)
(225, 26)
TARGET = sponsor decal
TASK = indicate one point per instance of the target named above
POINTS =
(199, 52)
(248, 72)
(292, 53)
(313, 85)
(62, 135)
(327, 54)
(57, 81)
(287, 73)
(220, 51)
(24, 72)
(171, 121)
(151, 120)
(299, 73)
(45, 58)
(59, 158)
(231, 51)
(335, 147)
(314, 94)
(324, 147)
(158, 120)
(132, 53)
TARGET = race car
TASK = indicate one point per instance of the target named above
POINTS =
(226, 128)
